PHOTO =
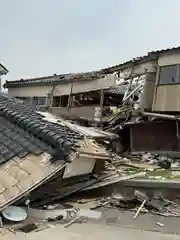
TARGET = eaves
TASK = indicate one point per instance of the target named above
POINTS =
(23, 83)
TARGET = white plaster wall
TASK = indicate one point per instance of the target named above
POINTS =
(79, 166)
(140, 69)
(41, 91)
(85, 86)
(169, 59)
(148, 67)
(85, 111)
(63, 89)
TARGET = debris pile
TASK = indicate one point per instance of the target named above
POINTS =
(46, 162)
(141, 202)
(52, 202)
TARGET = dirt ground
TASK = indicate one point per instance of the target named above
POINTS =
(113, 225)
(91, 231)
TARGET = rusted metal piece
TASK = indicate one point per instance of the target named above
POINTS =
(160, 115)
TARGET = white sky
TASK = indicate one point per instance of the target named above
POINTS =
(44, 37)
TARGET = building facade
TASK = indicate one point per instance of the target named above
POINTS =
(80, 94)
(68, 94)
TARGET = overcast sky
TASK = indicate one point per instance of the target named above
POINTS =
(43, 37)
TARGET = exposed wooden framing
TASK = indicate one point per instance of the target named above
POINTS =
(69, 99)
(130, 83)
(101, 101)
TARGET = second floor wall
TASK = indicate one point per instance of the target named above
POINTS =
(63, 88)
(167, 90)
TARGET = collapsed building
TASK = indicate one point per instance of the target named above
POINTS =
(45, 159)
(144, 91)
(78, 95)
(35, 149)
(153, 124)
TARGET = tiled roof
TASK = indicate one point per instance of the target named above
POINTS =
(35, 149)
(60, 78)
(23, 131)
(32, 149)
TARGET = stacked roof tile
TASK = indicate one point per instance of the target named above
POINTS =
(60, 78)
(24, 131)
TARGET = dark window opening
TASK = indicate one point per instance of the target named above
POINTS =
(56, 101)
(35, 101)
(64, 100)
(42, 101)
(39, 101)
(25, 99)
(85, 99)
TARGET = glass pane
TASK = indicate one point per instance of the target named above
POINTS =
(168, 75)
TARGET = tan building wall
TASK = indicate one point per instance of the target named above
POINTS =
(167, 98)
(41, 91)
(169, 59)
(147, 95)
(84, 112)
(63, 88)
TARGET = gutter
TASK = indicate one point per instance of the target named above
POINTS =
(166, 116)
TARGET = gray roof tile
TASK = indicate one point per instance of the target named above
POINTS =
(24, 131)
(54, 79)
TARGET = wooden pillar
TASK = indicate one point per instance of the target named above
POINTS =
(69, 99)
(101, 102)
(50, 98)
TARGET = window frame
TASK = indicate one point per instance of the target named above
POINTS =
(177, 81)
(36, 101)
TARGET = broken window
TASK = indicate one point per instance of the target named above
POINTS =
(64, 100)
(42, 101)
(60, 101)
(56, 101)
(26, 99)
(39, 101)
(86, 99)
(169, 74)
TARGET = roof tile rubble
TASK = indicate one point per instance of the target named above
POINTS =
(24, 131)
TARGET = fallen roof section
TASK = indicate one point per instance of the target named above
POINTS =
(91, 132)
(31, 149)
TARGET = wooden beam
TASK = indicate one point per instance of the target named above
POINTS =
(101, 101)
(69, 99)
